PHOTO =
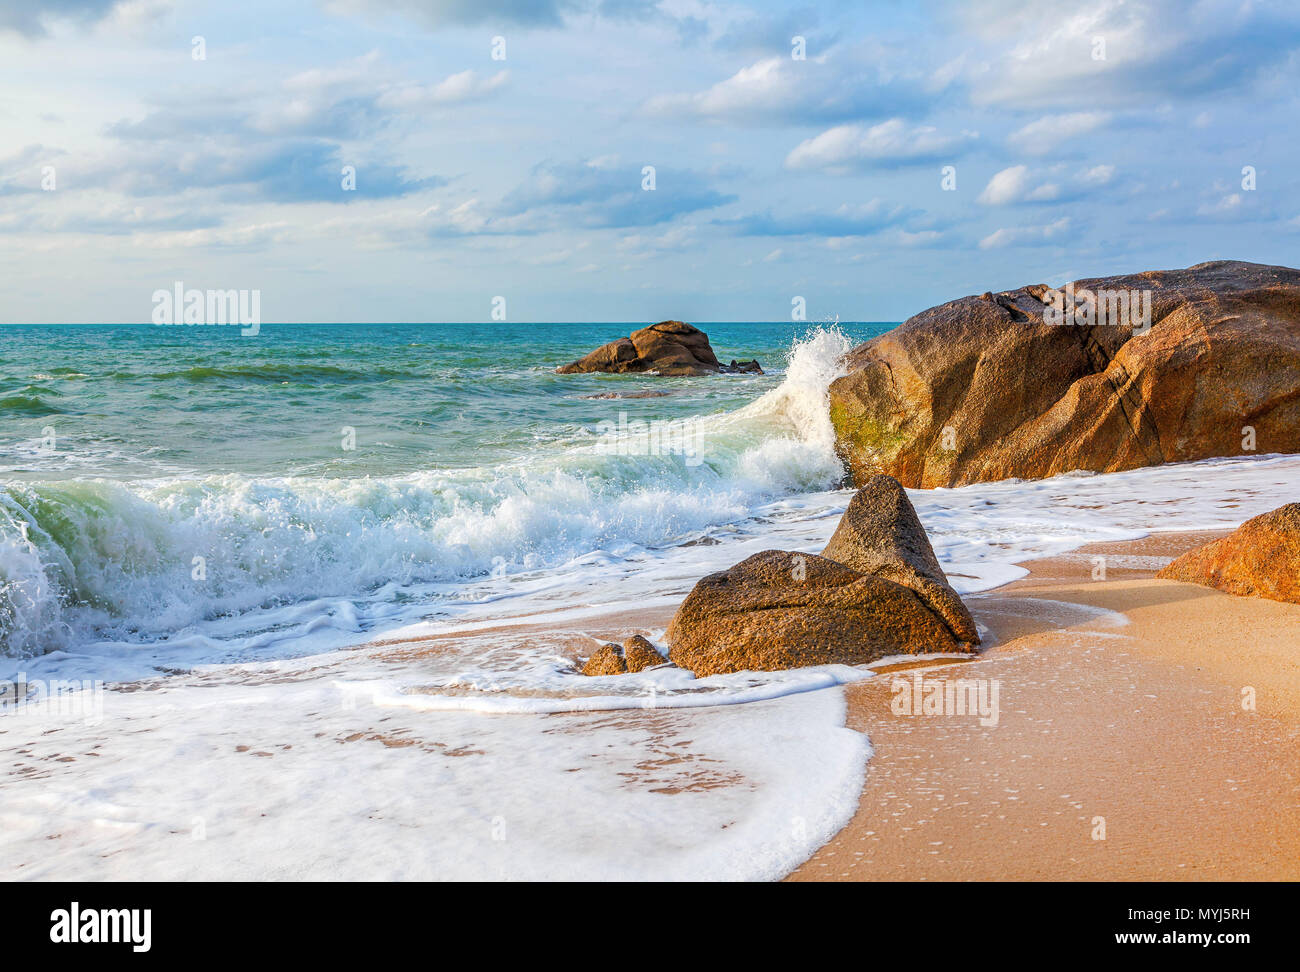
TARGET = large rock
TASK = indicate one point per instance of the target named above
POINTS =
(1261, 558)
(666, 348)
(985, 388)
(786, 610)
(880, 534)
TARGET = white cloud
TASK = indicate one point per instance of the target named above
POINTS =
(456, 89)
(1051, 132)
(1123, 52)
(1014, 185)
(1227, 204)
(890, 143)
(1012, 236)
(1098, 175)
(1020, 184)
(781, 90)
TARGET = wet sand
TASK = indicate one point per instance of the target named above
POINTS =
(1124, 746)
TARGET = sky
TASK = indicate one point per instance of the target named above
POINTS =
(627, 160)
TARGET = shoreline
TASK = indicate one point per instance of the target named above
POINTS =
(1106, 708)
(1120, 699)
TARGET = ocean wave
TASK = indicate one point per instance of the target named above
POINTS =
(98, 560)
(28, 403)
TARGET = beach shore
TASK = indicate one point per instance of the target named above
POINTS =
(1123, 705)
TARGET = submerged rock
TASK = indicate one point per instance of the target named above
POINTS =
(606, 660)
(635, 394)
(640, 654)
(667, 348)
(1261, 558)
(1163, 366)
(634, 655)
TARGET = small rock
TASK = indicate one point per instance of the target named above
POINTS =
(608, 660)
(635, 655)
(640, 654)
(1261, 558)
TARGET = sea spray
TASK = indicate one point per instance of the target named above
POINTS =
(97, 560)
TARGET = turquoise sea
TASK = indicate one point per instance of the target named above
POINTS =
(165, 483)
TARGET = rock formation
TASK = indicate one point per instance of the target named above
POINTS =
(1155, 367)
(635, 655)
(880, 534)
(1261, 558)
(667, 348)
(876, 591)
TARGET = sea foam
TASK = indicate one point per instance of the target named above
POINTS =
(85, 562)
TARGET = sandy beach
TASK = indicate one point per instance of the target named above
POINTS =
(1119, 699)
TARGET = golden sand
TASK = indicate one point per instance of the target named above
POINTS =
(1122, 751)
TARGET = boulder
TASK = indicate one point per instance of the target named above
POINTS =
(666, 348)
(880, 534)
(634, 655)
(606, 660)
(1261, 558)
(780, 610)
(640, 654)
(989, 387)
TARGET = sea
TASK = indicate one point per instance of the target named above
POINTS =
(228, 543)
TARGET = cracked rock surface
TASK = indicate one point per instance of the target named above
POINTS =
(986, 387)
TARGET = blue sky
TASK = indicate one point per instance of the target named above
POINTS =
(1086, 138)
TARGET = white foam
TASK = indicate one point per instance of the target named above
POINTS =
(737, 776)
(103, 565)
(284, 781)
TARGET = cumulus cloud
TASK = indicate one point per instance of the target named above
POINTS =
(1021, 235)
(1013, 185)
(352, 100)
(1051, 133)
(781, 90)
(891, 143)
(1125, 52)
(286, 142)
(1020, 184)
(456, 89)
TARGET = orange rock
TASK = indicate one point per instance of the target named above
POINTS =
(635, 655)
(640, 654)
(1261, 558)
(880, 534)
(607, 660)
(666, 348)
(780, 610)
(986, 388)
